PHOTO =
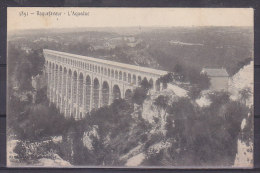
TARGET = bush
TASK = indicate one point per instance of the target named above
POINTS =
(139, 95)
(205, 136)
(155, 159)
(39, 121)
(161, 101)
(32, 151)
(20, 150)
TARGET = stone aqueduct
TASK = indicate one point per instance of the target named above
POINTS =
(77, 84)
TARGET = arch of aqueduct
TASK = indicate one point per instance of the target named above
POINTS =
(77, 84)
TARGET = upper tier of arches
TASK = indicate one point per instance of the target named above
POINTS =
(96, 64)
(78, 75)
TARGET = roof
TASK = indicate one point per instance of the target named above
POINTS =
(215, 72)
(113, 63)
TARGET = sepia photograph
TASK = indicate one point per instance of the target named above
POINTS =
(130, 87)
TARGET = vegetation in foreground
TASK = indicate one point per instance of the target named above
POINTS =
(106, 136)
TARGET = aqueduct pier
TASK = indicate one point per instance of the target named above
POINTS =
(77, 84)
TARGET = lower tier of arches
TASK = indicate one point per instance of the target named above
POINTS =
(93, 97)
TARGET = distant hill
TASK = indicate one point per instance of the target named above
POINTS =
(156, 47)
(201, 46)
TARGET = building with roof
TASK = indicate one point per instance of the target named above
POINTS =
(218, 78)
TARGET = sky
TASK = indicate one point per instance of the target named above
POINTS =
(20, 18)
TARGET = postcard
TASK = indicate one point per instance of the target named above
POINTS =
(130, 87)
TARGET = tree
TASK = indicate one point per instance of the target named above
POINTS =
(38, 121)
(111, 122)
(37, 62)
(166, 79)
(161, 102)
(245, 94)
(192, 75)
(218, 99)
(139, 95)
(204, 81)
(194, 92)
(178, 69)
(199, 131)
(23, 76)
(145, 84)
(41, 96)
